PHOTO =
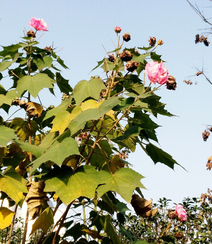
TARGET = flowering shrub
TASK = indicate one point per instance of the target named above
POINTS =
(157, 72)
(38, 24)
(76, 154)
(165, 227)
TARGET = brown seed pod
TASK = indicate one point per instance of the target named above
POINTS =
(126, 37)
(125, 55)
(152, 41)
(111, 58)
(171, 83)
(31, 33)
(131, 66)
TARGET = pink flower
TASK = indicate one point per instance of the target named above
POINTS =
(38, 24)
(117, 29)
(157, 72)
(181, 212)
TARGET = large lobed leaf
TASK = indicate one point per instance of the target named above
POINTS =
(57, 152)
(84, 182)
(85, 89)
(34, 84)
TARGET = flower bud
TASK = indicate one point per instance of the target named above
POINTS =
(126, 37)
(160, 42)
(117, 29)
(152, 41)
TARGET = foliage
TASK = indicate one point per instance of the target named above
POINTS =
(165, 227)
(75, 154)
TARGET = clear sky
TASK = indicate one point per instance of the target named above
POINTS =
(79, 29)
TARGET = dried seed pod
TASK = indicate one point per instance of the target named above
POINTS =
(125, 55)
(126, 37)
(205, 135)
(197, 38)
(131, 66)
(199, 73)
(31, 33)
(111, 58)
(152, 41)
(171, 83)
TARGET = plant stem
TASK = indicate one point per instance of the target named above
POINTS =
(25, 228)
(12, 225)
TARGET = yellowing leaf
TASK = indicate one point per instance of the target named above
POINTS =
(6, 216)
(13, 184)
(63, 119)
(89, 104)
(44, 221)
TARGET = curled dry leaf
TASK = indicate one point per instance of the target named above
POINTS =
(36, 198)
(142, 206)
(33, 109)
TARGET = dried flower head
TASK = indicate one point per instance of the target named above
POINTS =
(125, 55)
(126, 37)
(31, 33)
(131, 66)
(111, 58)
(171, 83)
(152, 41)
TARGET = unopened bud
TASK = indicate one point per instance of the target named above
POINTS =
(117, 29)
(160, 42)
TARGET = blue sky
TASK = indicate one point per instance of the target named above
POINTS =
(78, 29)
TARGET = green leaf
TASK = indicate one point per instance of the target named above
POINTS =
(57, 152)
(85, 89)
(69, 186)
(99, 63)
(13, 184)
(140, 58)
(43, 63)
(158, 155)
(111, 231)
(62, 107)
(63, 84)
(92, 114)
(44, 221)
(155, 57)
(131, 131)
(6, 135)
(8, 98)
(35, 150)
(61, 62)
(124, 182)
(34, 84)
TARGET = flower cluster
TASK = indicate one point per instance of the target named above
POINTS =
(157, 72)
(38, 24)
(181, 212)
